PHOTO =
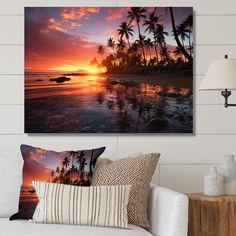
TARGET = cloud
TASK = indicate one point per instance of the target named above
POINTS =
(61, 25)
(49, 47)
(34, 170)
(78, 13)
(116, 13)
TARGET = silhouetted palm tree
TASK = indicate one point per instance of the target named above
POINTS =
(134, 48)
(121, 45)
(188, 22)
(141, 43)
(125, 30)
(111, 44)
(177, 52)
(101, 50)
(57, 170)
(72, 157)
(152, 23)
(149, 45)
(81, 161)
(137, 14)
(183, 32)
(188, 56)
(94, 62)
(91, 164)
(160, 35)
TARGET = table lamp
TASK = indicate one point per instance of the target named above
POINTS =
(221, 75)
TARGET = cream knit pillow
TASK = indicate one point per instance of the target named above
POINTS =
(137, 172)
(94, 206)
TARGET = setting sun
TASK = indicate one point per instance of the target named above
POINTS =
(68, 68)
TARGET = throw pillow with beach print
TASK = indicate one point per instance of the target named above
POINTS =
(66, 167)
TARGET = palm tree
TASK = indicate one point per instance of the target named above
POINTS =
(134, 48)
(93, 62)
(72, 156)
(160, 34)
(188, 56)
(125, 30)
(79, 156)
(66, 162)
(121, 45)
(91, 164)
(81, 161)
(101, 50)
(152, 23)
(149, 44)
(141, 44)
(188, 22)
(165, 54)
(177, 52)
(183, 32)
(57, 170)
(137, 14)
(111, 44)
(156, 44)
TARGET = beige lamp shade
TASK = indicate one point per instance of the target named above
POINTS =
(221, 75)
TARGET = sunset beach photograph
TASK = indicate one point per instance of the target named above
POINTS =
(109, 70)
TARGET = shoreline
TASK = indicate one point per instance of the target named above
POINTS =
(178, 80)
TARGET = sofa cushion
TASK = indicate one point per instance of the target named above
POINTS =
(10, 181)
(104, 206)
(66, 167)
(137, 172)
(25, 228)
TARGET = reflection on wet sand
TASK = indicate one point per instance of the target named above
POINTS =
(109, 104)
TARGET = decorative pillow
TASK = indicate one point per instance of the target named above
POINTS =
(67, 167)
(137, 172)
(93, 206)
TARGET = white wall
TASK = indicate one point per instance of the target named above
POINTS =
(185, 158)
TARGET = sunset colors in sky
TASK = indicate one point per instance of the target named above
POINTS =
(37, 163)
(66, 39)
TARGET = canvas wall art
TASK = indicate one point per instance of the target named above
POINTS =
(109, 70)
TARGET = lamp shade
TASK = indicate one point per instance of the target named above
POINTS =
(221, 75)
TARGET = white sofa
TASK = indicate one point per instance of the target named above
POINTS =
(168, 210)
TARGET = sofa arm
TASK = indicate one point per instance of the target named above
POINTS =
(168, 212)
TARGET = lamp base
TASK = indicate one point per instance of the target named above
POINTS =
(226, 95)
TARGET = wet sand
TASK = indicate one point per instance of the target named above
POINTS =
(155, 103)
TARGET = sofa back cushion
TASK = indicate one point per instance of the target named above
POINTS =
(10, 181)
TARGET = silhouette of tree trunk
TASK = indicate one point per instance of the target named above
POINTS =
(189, 41)
(155, 47)
(90, 164)
(190, 59)
(139, 33)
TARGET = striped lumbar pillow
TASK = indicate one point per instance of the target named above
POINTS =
(94, 206)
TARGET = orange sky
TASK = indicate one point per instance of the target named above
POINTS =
(66, 39)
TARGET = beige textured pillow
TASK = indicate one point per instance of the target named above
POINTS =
(137, 172)
(94, 206)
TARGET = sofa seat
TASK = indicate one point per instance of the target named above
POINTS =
(25, 228)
